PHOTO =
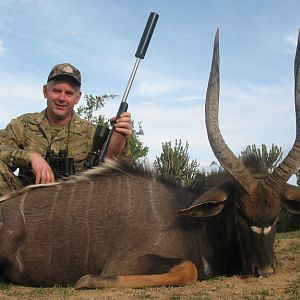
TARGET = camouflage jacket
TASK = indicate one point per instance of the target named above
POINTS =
(32, 132)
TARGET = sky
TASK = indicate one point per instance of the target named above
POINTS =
(100, 37)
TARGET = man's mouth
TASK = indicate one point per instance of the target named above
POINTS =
(60, 106)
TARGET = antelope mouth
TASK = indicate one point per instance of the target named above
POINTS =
(265, 271)
(256, 271)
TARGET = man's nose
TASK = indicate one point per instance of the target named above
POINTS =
(62, 96)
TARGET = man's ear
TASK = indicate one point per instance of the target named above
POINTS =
(78, 97)
(45, 91)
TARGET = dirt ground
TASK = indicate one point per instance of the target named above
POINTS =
(284, 284)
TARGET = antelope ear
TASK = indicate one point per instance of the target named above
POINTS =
(209, 204)
(290, 198)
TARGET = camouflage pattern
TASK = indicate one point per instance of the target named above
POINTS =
(65, 70)
(8, 181)
(32, 132)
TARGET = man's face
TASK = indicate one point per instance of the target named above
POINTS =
(61, 98)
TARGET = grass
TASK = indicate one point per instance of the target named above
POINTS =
(260, 295)
(19, 292)
(291, 254)
(37, 293)
(295, 290)
(10, 290)
(143, 293)
(288, 235)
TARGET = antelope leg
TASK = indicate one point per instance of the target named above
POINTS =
(181, 274)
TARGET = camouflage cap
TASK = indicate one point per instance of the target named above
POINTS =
(65, 69)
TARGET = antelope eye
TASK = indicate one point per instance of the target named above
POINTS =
(242, 218)
(241, 215)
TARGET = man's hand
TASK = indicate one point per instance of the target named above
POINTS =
(123, 124)
(41, 169)
(123, 131)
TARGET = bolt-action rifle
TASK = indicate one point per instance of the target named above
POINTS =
(103, 135)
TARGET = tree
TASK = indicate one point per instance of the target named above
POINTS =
(93, 104)
(137, 149)
(287, 221)
(89, 112)
(270, 159)
(174, 165)
(215, 175)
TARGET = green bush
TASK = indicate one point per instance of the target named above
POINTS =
(288, 221)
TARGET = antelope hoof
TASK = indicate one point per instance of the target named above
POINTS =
(83, 283)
